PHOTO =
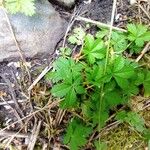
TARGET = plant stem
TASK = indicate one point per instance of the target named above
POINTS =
(106, 64)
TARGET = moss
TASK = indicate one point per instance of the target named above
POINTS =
(123, 138)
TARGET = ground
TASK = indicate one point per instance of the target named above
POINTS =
(30, 112)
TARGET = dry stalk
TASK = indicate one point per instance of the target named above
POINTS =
(99, 24)
(48, 106)
(34, 136)
(16, 42)
(146, 48)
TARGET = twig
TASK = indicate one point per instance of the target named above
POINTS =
(48, 106)
(70, 24)
(45, 146)
(15, 40)
(99, 24)
(147, 105)
(35, 133)
(59, 116)
(39, 77)
(11, 102)
(12, 94)
(146, 48)
(14, 110)
(108, 127)
(141, 7)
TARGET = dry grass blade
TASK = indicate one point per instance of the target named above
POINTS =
(39, 77)
(12, 102)
(146, 13)
(15, 40)
(70, 24)
(99, 24)
(10, 134)
(59, 116)
(34, 135)
(146, 48)
(48, 106)
(11, 90)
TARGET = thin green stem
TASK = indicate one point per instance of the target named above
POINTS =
(106, 64)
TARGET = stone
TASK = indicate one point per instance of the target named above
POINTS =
(36, 35)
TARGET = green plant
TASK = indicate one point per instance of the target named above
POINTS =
(77, 134)
(77, 37)
(138, 34)
(134, 119)
(24, 6)
(98, 81)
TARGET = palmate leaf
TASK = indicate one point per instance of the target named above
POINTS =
(119, 42)
(113, 98)
(77, 37)
(122, 71)
(68, 79)
(24, 6)
(134, 119)
(94, 74)
(65, 69)
(70, 99)
(93, 49)
(138, 34)
(77, 134)
(60, 90)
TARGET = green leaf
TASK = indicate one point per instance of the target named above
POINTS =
(121, 116)
(79, 89)
(77, 37)
(126, 72)
(89, 41)
(100, 117)
(77, 134)
(60, 90)
(146, 84)
(119, 42)
(101, 34)
(93, 49)
(119, 63)
(132, 29)
(123, 83)
(94, 75)
(100, 145)
(138, 35)
(134, 119)
(70, 100)
(113, 98)
(24, 6)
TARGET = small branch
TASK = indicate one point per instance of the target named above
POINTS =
(16, 42)
(48, 106)
(70, 24)
(12, 94)
(14, 134)
(99, 24)
(48, 68)
(35, 133)
(11, 102)
(146, 48)
(146, 13)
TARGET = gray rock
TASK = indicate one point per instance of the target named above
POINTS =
(36, 35)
